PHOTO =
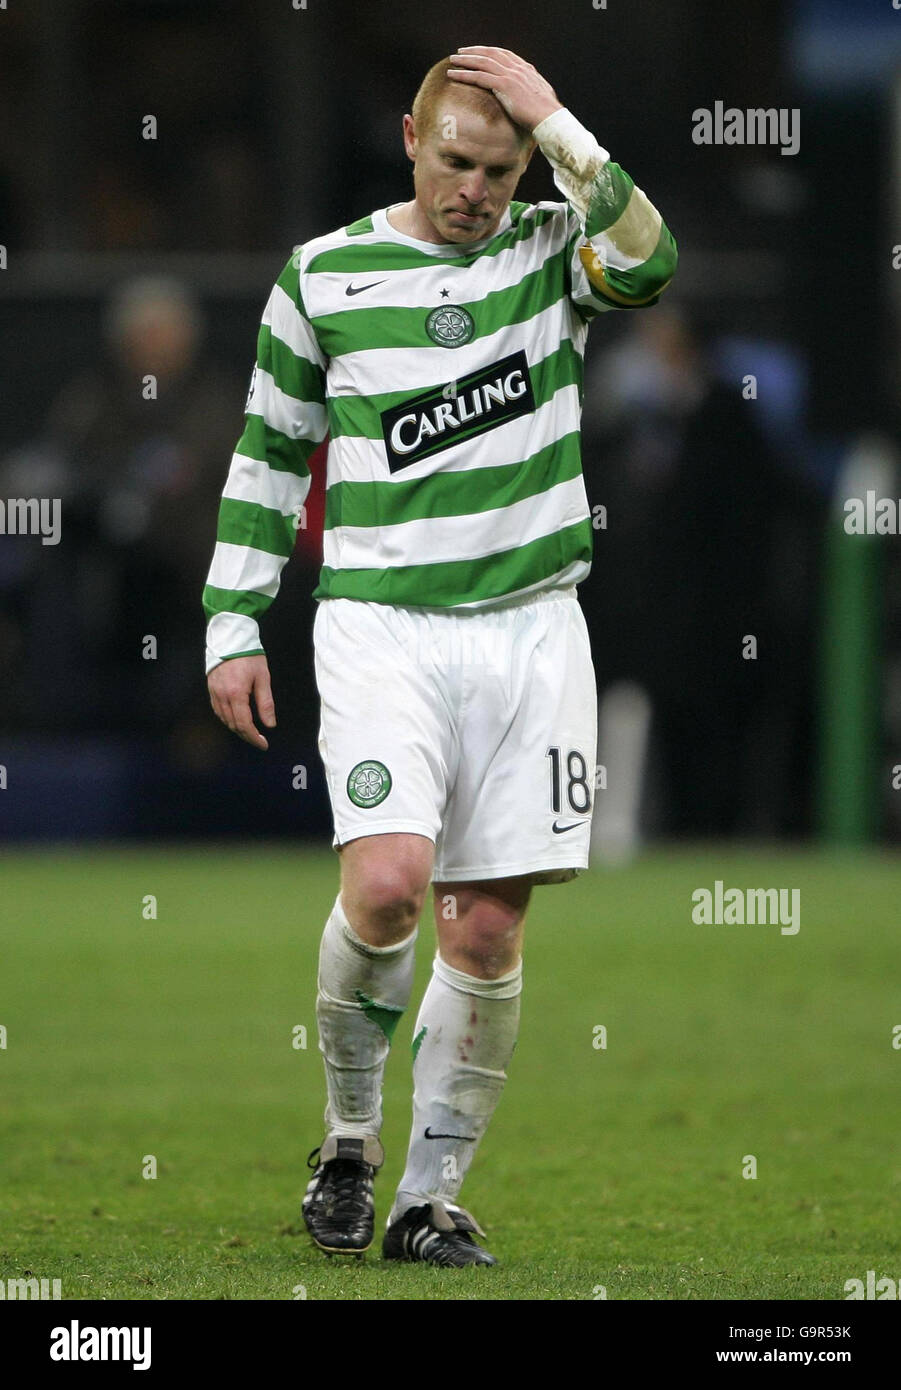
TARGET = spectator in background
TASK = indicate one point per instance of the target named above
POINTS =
(137, 446)
(710, 537)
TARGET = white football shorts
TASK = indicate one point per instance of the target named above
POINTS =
(474, 727)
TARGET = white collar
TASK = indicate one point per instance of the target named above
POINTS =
(381, 224)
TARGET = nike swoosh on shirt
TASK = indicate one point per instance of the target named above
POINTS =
(358, 289)
(562, 829)
(465, 1137)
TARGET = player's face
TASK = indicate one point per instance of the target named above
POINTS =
(465, 172)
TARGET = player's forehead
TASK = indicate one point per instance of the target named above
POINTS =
(458, 129)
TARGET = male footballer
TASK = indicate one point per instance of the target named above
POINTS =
(439, 343)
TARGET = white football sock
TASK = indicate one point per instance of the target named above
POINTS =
(464, 1039)
(363, 990)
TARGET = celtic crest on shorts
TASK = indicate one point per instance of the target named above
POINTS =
(369, 783)
(450, 326)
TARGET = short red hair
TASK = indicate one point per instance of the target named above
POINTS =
(436, 85)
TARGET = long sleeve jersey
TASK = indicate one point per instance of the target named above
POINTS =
(449, 381)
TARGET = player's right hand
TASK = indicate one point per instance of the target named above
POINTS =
(231, 685)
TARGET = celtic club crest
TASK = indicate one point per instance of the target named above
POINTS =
(450, 325)
(368, 784)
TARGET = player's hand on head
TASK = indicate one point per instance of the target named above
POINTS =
(231, 685)
(524, 94)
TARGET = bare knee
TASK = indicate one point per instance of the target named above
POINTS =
(487, 950)
(480, 927)
(383, 883)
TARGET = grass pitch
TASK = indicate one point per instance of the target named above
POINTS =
(616, 1168)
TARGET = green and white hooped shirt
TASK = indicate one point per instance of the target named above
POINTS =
(449, 382)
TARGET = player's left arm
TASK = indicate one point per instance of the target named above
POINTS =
(623, 253)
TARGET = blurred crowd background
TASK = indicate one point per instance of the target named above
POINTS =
(127, 256)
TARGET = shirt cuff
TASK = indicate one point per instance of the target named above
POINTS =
(566, 143)
(229, 635)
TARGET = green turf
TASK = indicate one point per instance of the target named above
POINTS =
(619, 1168)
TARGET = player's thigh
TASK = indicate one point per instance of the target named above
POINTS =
(523, 796)
(385, 737)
